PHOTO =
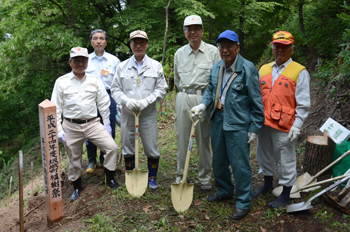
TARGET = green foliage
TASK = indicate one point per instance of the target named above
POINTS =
(101, 222)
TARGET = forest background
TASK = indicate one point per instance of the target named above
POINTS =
(37, 35)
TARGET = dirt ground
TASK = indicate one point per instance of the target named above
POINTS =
(94, 192)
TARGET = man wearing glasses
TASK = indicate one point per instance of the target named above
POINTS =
(101, 64)
(139, 83)
(77, 96)
(237, 114)
(192, 64)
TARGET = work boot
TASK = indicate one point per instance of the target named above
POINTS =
(152, 172)
(110, 179)
(267, 187)
(91, 154)
(129, 163)
(283, 199)
(77, 189)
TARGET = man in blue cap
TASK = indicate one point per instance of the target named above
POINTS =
(237, 114)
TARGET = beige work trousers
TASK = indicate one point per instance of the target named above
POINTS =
(76, 134)
(184, 103)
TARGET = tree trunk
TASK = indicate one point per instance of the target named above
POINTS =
(210, 28)
(318, 153)
(241, 29)
(301, 25)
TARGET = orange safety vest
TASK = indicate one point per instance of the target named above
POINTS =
(279, 99)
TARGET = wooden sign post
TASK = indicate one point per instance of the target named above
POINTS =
(20, 175)
(50, 157)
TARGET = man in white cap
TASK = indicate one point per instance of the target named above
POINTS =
(138, 84)
(101, 64)
(77, 96)
(192, 64)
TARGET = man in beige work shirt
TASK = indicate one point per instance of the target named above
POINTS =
(77, 95)
(192, 64)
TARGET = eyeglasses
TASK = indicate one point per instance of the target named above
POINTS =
(81, 61)
(98, 38)
(227, 47)
(139, 42)
(194, 29)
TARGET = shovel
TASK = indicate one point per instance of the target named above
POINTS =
(182, 193)
(136, 180)
(307, 205)
(306, 179)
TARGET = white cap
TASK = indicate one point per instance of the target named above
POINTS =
(193, 20)
(78, 51)
(138, 34)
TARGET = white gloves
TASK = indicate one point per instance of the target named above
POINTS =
(143, 104)
(61, 137)
(199, 108)
(251, 137)
(108, 128)
(293, 133)
(132, 104)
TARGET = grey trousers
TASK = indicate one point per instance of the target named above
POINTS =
(273, 148)
(184, 103)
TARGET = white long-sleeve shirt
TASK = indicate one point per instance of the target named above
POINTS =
(77, 99)
(107, 62)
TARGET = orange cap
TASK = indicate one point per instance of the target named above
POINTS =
(282, 37)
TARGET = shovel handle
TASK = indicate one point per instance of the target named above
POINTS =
(319, 183)
(137, 139)
(330, 165)
(190, 143)
(328, 188)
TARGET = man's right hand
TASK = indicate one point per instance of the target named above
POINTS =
(199, 108)
(61, 136)
(132, 104)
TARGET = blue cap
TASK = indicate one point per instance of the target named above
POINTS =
(228, 34)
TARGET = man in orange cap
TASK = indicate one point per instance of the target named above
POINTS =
(286, 96)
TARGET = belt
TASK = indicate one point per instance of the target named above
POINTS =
(79, 121)
(192, 91)
(108, 91)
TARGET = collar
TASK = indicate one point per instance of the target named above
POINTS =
(285, 64)
(137, 63)
(201, 48)
(72, 76)
(93, 55)
(232, 67)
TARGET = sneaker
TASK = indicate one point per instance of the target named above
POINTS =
(152, 183)
(206, 187)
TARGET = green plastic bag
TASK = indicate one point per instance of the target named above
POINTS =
(343, 165)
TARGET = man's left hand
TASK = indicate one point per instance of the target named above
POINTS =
(251, 137)
(143, 104)
(108, 128)
(293, 133)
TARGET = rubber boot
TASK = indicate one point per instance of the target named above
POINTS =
(110, 179)
(77, 189)
(152, 172)
(102, 159)
(91, 154)
(129, 163)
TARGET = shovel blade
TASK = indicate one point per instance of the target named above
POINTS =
(181, 196)
(136, 182)
(303, 180)
(298, 207)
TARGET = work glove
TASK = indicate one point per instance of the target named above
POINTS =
(143, 104)
(251, 137)
(197, 109)
(132, 104)
(61, 137)
(293, 133)
(108, 128)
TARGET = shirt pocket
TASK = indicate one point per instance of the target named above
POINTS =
(150, 81)
(287, 117)
(70, 96)
(185, 75)
(127, 82)
(203, 72)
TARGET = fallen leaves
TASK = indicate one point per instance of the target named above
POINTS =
(146, 208)
(197, 202)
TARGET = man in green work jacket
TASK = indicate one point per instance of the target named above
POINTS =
(237, 114)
